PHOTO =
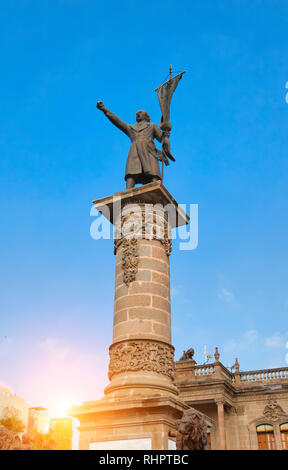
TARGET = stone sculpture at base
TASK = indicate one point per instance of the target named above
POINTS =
(192, 431)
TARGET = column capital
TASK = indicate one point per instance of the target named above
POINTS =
(220, 400)
(152, 193)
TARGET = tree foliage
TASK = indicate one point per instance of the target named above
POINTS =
(11, 420)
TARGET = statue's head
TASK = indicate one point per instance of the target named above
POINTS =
(183, 425)
(142, 116)
(190, 352)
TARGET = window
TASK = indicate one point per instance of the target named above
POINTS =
(265, 437)
(284, 435)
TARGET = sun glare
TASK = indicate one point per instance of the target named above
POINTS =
(60, 408)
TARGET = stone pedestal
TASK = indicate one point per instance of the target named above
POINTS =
(140, 404)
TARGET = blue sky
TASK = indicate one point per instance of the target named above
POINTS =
(58, 153)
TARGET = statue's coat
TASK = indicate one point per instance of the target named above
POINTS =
(142, 159)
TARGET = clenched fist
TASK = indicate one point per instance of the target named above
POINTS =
(100, 105)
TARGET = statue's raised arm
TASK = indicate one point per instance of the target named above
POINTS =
(113, 118)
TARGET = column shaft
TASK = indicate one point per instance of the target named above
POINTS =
(141, 355)
(221, 424)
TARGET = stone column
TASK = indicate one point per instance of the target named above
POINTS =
(141, 355)
(140, 405)
(221, 422)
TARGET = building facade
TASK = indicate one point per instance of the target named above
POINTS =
(38, 419)
(248, 410)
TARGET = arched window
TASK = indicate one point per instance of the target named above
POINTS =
(265, 435)
(284, 435)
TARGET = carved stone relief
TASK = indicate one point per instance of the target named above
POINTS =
(272, 410)
(130, 260)
(141, 355)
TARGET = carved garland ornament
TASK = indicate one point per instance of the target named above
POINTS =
(130, 260)
(131, 356)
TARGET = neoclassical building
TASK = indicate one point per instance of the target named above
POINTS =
(247, 409)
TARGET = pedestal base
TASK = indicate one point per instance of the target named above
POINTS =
(126, 424)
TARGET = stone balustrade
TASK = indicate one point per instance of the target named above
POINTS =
(265, 375)
(185, 370)
(204, 370)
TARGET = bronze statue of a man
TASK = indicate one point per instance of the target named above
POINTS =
(142, 163)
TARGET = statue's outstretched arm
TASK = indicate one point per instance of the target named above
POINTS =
(113, 118)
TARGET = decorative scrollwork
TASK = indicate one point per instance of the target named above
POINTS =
(167, 243)
(141, 355)
(130, 260)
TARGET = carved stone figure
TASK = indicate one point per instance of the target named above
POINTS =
(192, 431)
(188, 355)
